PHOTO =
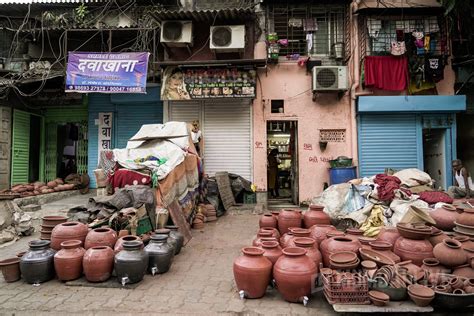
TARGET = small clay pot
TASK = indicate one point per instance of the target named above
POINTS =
(267, 220)
(449, 253)
(456, 283)
(101, 237)
(68, 260)
(10, 269)
(433, 266)
(252, 272)
(98, 263)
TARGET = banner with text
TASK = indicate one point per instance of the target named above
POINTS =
(105, 131)
(107, 72)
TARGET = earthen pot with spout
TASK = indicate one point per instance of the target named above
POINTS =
(252, 272)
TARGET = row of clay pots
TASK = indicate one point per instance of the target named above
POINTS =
(447, 216)
(285, 219)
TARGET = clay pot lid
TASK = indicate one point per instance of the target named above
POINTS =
(253, 251)
(381, 296)
(368, 264)
(354, 231)
(334, 233)
(9, 261)
(343, 257)
(430, 262)
(377, 257)
(304, 242)
(345, 266)
(39, 243)
(69, 244)
(270, 244)
(294, 251)
(54, 218)
(163, 231)
(380, 245)
(420, 291)
(366, 240)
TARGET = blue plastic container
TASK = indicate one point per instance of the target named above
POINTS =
(342, 175)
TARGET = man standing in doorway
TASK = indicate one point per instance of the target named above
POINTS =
(462, 181)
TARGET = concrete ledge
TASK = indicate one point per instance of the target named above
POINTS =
(45, 198)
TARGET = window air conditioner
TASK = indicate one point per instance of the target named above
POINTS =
(227, 38)
(330, 78)
(177, 33)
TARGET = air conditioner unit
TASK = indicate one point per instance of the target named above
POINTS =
(330, 78)
(177, 33)
(227, 38)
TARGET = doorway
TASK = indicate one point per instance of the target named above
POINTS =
(434, 156)
(282, 163)
(68, 136)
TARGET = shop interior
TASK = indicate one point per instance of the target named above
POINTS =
(434, 155)
(68, 135)
(281, 145)
(34, 148)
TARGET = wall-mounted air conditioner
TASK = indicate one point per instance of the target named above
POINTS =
(177, 33)
(227, 38)
(330, 78)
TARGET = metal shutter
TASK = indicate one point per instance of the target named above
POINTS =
(388, 141)
(184, 111)
(20, 147)
(227, 136)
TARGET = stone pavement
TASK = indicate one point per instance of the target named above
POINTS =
(200, 281)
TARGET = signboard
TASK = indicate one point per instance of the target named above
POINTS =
(207, 83)
(107, 72)
(105, 132)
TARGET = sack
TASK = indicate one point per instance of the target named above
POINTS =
(397, 48)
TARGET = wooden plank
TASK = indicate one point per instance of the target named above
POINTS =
(391, 307)
(179, 220)
(225, 190)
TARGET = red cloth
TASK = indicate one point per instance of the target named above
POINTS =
(123, 177)
(386, 186)
(386, 72)
(433, 197)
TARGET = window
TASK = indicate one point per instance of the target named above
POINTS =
(278, 106)
(315, 30)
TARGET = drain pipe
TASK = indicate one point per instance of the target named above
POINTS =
(355, 76)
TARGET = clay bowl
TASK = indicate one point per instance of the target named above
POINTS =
(345, 266)
(379, 258)
(464, 229)
(45, 235)
(53, 220)
(421, 291)
(379, 298)
(368, 264)
(420, 301)
(413, 233)
(343, 257)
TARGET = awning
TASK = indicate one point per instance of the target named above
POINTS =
(413, 103)
(214, 63)
(204, 15)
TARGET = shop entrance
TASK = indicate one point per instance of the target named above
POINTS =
(434, 155)
(282, 163)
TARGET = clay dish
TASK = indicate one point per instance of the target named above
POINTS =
(343, 257)
(379, 258)
(420, 290)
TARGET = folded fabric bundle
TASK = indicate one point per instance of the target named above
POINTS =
(434, 197)
(386, 72)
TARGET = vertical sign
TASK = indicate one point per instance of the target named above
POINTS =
(105, 131)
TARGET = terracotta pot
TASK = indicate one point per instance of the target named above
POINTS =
(354, 232)
(286, 238)
(311, 251)
(275, 214)
(267, 220)
(336, 233)
(388, 234)
(37, 265)
(119, 244)
(252, 272)
(465, 271)
(456, 283)
(466, 218)
(10, 269)
(272, 250)
(445, 217)
(365, 241)
(315, 216)
(318, 232)
(258, 239)
(297, 233)
(414, 250)
(101, 237)
(337, 244)
(433, 266)
(469, 286)
(295, 274)
(53, 220)
(275, 232)
(98, 263)
(68, 260)
(68, 231)
(449, 253)
(437, 236)
(469, 252)
(384, 248)
(287, 219)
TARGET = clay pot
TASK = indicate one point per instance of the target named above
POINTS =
(315, 216)
(274, 231)
(286, 238)
(297, 233)
(311, 251)
(466, 217)
(354, 232)
(318, 232)
(420, 295)
(100, 237)
(445, 217)
(37, 265)
(294, 274)
(272, 250)
(379, 298)
(336, 233)
(131, 263)
(261, 234)
(98, 263)
(365, 241)
(68, 231)
(160, 254)
(433, 266)
(469, 252)
(10, 269)
(414, 250)
(465, 271)
(384, 248)
(52, 220)
(456, 283)
(287, 219)
(337, 244)
(437, 236)
(68, 260)
(252, 272)
(177, 236)
(267, 220)
(119, 244)
(450, 253)
(388, 234)
(469, 286)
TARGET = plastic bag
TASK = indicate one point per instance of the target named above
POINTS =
(354, 200)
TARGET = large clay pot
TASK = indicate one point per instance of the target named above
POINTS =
(131, 263)
(252, 272)
(297, 233)
(268, 220)
(445, 217)
(384, 248)
(101, 237)
(176, 235)
(68, 260)
(465, 271)
(37, 265)
(98, 263)
(309, 245)
(68, 231)
(119, 244)
(287, 219)
(466, 217)
(318, 232)
(164, 231)
(437, 236)
(258, 239)
(160, 254)
(388, 234)
(414, 250)
(337, 244)
(449, 253)
(10, 269)
(272, 250)
(315, 216)
(295, 274)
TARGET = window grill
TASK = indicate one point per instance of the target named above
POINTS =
(332, 135)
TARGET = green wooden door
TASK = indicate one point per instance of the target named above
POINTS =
(20, 147)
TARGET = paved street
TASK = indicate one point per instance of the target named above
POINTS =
(199, 282)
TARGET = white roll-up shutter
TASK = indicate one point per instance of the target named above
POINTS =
(186, 111)
(227, 133)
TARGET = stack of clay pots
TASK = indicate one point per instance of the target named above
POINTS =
(413, 244)
(211, 213)
(48, 223)
(465, 222)
(198, 222)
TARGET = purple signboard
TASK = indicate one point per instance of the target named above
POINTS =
(107, 72)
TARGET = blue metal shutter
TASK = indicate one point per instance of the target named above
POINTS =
(388, 141)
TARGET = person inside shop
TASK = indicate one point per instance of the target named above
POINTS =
(273, 163)
(196, 136)
(462, 181)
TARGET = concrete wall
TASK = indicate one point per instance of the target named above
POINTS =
(5, 146)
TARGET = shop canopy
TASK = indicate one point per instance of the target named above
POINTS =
(415, 103)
